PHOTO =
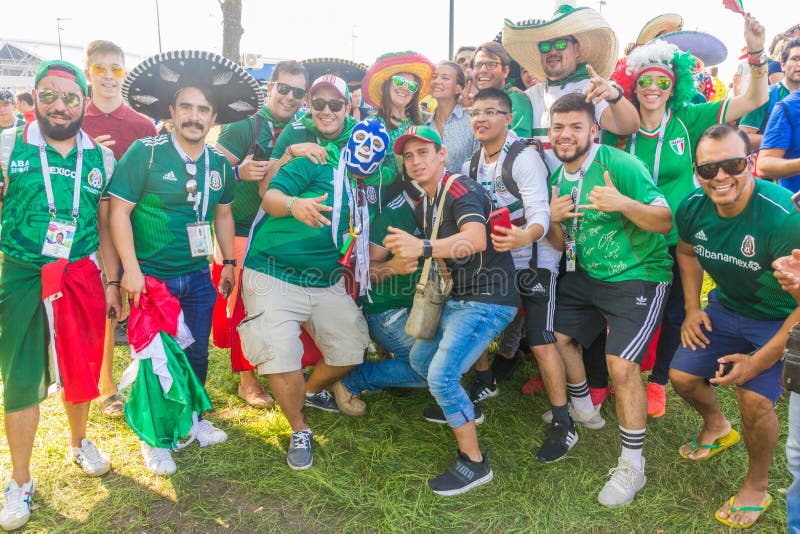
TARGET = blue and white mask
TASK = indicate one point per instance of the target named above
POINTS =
(366, 147)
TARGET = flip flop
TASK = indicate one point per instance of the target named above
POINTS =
(720, 444)
(731, 510)
(112, 406)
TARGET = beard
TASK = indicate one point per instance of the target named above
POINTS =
(58, 132)
(580, 150)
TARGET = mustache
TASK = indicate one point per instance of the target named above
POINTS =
(189, 124)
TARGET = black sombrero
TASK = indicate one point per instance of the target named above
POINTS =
(350, 71)
(151, 86)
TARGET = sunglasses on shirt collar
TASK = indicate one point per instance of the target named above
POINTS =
(732, 166)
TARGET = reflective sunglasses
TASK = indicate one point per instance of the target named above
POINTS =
(491, 65)
(558, 44)
(399, 81)
(733, 166)
(490, 113)
(334, 105)
(117, 71)
(283, 89)
(48, 97)
(662, 82)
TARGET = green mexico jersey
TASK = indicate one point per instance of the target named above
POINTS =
(290, 250)
(675, 176)
(237, 138)
(522, 112)
(737, 252)
(18, 121)
(153, 176)
(25, 216)
(758, 117)
(295, 132)
(609, 246)
(396, 291)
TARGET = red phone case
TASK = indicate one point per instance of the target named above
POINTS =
(500, 217)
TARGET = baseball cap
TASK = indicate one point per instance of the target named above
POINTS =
(423, 133)
(329, 80)
(64, 69)
(6, 96)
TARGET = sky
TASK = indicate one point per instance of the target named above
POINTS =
(346, 29)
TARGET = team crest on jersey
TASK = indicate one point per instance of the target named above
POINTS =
(499, 185)
(748, 246)
(216, 181)
(95, 178)
(678, 145)
(372, 195)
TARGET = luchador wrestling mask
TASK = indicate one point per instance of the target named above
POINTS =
(366, 147)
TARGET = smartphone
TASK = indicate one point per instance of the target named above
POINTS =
(726, 368)
(500, 217)
(796, 200)
(259, 154)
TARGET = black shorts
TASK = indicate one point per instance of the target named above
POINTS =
(539, 300)
(632, 310)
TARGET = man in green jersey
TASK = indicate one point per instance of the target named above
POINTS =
(610, 219)
(56, 178)
(248, 144)
(734, 227)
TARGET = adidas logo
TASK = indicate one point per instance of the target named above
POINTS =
(169, 177)
(538, 288)
(701, 235)
(641, 301)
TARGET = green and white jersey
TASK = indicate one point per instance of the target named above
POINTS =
(522, 114)
(737, 252)
(295, 132)
(757, 118)
(609, 246)
(675, 155)
(18, 121)
(25, 216)
(396, 291)
(290, 250)
(153, 176)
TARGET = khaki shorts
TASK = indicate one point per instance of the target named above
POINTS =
(276, 310)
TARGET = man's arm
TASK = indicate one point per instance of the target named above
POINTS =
(122, 238)
(654, 218)
(110, 259)
(771, 164)
(692, 334)
(758, 89)
(381, 269)
(469, 240)
(620, 118)
(225, 230)
(752, 133)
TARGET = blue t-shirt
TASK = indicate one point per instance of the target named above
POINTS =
(784, 132)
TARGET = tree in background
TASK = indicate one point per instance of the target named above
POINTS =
(231, 28)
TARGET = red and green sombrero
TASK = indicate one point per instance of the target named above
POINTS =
(393, 63)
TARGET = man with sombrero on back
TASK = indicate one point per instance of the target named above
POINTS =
(172, 188)
(575, 52)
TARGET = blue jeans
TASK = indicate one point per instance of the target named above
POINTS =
(197, 295)
(466, 329)
(793, 462)
(387, 329)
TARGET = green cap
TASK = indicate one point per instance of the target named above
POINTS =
(423, 133)
(65, 69)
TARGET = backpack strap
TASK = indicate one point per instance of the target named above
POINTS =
(7, 140)
(786, 113)
(508, 165)
(473, 164)
(256, 132)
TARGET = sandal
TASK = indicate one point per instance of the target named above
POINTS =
(256, 399)
(720, 444)
(112, 406)
(732, 509)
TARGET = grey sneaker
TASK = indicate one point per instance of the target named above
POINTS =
(626, 480)
(591, 420)
(300, 456)
(322, 401)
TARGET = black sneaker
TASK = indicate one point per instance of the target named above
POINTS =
(560, 439)
(462, 476)
(322, 401)
(504, 368)
(300, 456)
(480, 391)
(435, 414)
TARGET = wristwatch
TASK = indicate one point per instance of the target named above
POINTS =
(613, 101)
(229, 262)
(427, 249)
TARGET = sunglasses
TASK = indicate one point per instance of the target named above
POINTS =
(334, 105)
(558, 44)
(490, 113)
(646, 81)
(733, 167)
(399, 81)
(48, 97)
(491, 65)
(283, 89)
(117, 71)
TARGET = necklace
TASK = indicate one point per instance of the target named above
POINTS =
(493, 154)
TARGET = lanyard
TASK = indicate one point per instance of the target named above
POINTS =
(352, 204)
(661, 131)
(191, 169)
(48, 184)
(576, 191)
(435, 205)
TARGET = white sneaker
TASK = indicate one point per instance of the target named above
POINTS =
(591, 420)
(91, 459)
(207, 434)
(158, 461)
(626, 480)
(17, 505)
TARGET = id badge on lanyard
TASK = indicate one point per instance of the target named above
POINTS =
(570, 247)
(200, 241)
(60, 232)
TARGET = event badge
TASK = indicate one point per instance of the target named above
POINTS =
(200, 241)
(58, 239)
(571, 252)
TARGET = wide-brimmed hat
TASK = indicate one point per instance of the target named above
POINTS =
(598, 42)
(151, 86)
(393, 63)
(666, 23)
(704, 46)
(350, 71)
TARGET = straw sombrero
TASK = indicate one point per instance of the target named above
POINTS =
(388, 65)
(598, 42)
(704, 46)
(151, 86)
(666, 23)
(350, 71)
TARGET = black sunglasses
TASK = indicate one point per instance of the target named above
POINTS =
(732, 166)
(283, 89)
(335, 105)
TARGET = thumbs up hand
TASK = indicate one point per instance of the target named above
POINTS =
(606, 198)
